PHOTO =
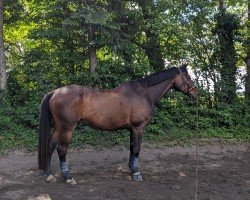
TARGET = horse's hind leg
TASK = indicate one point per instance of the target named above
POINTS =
(62, 151)
(52, 145)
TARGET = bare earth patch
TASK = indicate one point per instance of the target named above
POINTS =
(168, 173)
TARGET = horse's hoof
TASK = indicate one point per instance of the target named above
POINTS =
(51, 179)
(71, 181)
(137, 176)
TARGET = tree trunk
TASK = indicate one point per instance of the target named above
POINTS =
(247, 84)
(92, 49)
(3, 77)
(221, 4)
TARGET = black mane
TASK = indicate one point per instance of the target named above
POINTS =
(158, 77)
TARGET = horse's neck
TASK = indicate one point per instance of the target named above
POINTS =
(157, 91)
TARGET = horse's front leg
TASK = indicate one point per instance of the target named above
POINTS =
(62, 151)
(135, 146)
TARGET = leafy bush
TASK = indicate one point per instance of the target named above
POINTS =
(13, 133)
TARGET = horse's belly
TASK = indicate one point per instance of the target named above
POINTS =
(107, 119)
(102, 123)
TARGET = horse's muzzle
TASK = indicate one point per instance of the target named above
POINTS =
(194, 93)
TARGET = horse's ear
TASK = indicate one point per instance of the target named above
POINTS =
(184, 67)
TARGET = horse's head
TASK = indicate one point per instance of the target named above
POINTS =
(184, 83)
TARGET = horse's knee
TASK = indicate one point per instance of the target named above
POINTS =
(61, 150)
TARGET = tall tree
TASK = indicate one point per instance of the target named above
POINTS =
(3, 77)
(152, 46)
(226, 28)
(247, 60)
(118, 7)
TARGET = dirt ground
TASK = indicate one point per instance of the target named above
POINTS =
(168, 173)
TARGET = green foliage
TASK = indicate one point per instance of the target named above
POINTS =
(226, 29)
(13, 133)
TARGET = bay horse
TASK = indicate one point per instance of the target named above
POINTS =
(129, 106)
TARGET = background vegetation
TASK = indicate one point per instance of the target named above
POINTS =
(103, 43)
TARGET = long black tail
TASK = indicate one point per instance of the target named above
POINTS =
(44, 131)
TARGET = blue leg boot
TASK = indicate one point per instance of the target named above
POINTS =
(133, 166)
(66, 173)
